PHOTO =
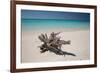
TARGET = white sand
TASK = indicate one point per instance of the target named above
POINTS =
(79, 46)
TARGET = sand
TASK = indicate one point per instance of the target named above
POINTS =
(79, 46)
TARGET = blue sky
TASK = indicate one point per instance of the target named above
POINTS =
(40, 14)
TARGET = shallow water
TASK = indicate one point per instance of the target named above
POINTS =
(42, 24)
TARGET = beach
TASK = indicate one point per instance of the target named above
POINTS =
(30, 52)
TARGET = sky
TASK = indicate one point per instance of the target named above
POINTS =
(40, 14)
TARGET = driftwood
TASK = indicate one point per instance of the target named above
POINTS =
(53, 44)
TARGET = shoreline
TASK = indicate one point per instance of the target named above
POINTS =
(55, 30)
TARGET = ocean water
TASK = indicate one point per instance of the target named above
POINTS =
(36, 24)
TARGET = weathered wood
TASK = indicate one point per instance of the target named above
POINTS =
(53, 44)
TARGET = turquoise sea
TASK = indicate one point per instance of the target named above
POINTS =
(53, 24)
